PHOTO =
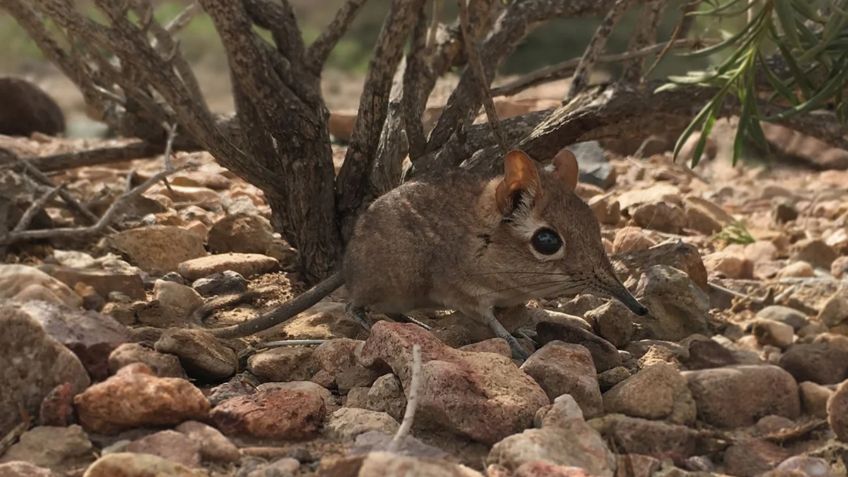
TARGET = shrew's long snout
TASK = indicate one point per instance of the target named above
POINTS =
(610, 285)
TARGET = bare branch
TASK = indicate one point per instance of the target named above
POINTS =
(476, 66)
(680, 31)
(580, 79)
(35, 207)
(182, 19)
(279, 19)
(411, 400)
(320, 49)
(645, 34)
(90, 157)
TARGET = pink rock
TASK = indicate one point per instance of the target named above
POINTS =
(170, 445)
(274, 413)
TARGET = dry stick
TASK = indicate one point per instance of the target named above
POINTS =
(476, 66)
(182, 19)
(320, 49)
(105, 220)
(563, 69)
(169, 145)
(680, 31)
(69, 199)
(580, 79)
(91, 157)
(646, 33)
(411, 400)
(36, 206)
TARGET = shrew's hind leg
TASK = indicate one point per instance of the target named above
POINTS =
(358, 314)
(518, 352)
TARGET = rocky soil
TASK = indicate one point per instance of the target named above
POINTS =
(741, 368)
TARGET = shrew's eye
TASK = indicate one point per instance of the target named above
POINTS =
(546, 241)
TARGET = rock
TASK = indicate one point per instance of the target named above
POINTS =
(835, 309)
(678, 308)
(837, 412)
(803, 466)
(680, 255)
(23, 283)
(611, 377)
(815, 252)
(381, 464)
(784, 211)
(704, 216)
(491, 345)
(707, 353)
(604, 354)
(274, 414)
(103, 282)
(201, 354)
(784, 314)
(349, 422)
(287, 363)
(635, 435)
(728, 264)
(386, 395)
(245, 264)
(164, 365)
(326, 321)
(27, 109)
(337, 357)
(545, 469)
(797, 270)
(655, 392)
(225, 283)
(213, 445)
(814, 398)
(566, 442)
(308, 387)
(59, 448)
(57, 408)
(594, 167)
(481, 395)
(170, 445)
(752, 457)
(157, 248)
(90, 335)
(32, 364)
(613, 321)
(663, 216)
(135, 397)
(822, 361)
(241, 233)
(773, 333)
(606, 210)
(24, 469)
(285, 467)
(636, 197)
(176, 301)
(241, 384)
(631, 239)
(563, 368)
(128, 464)
(768, 390)
(839, 267)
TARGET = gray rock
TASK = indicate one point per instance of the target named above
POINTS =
(213, 445)
(287, 363)
(604, 355)
(170, 445)
(635, 435)
(57, 448)
(201, 354)
(784, 314)
(564, 368)
(164, 365)
(835, 309)
(337, 357)
(349, 422)
(594, 167)
(824, 361)
(750, 458)
(678, 307)
(611, 377)
(805, 465)
(655, 392)
(613, 321)
(386, 395)
(24, 469)
(224, 283)
(837, 412)
(31, 365)
(176, 302)
(767, 389)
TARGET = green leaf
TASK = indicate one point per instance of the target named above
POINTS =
(783, 8)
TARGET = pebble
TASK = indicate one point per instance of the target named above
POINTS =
(753, 457)
(177, 302)
(135, 397)
(241, 233)
(129, 464)
(164, 365)
(837, 412)
(564, 368)
(835, 310)
(797, 270)
(104, 282)
(202, 355)
(631, 239)
(24, 469)
(274, 413)
(245, 264)
(604, 355)
(613, 322)
(678, 307)
(663, 216)
(213, 446)
(383, 464)
(349, 422)
(784, 314)
(642, 436)
(157, 249)
(386, 395)
(716, 393)
(814, 398)
(815, 252)
(772, 333)
(225, 283)
(337, 357)
(822, 361)
(287, 363)
(23, 283)
(611, 377)
(170, 445)
(60, 449)
(839, 267)
(655, 392)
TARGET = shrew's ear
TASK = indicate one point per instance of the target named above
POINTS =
(565, 168)
(521, 178)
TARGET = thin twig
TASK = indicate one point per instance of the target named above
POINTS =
(35, 207)
(320, 49)
(182, 19)
(102, 223)
(66, 196)
(645, 34)
(476, 65)
(281, 343)
(411, 400)
(169, 145)
(680, 31)
(580, 79)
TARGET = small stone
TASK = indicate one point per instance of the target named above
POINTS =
(157, 248)
(245, 264)
(164, 365)
(631, 239)
(57, 408)
(338, 358)
(655, 193)
(784, 314)
(815, 252)
(784, 211)
(729, 265)
(349, 422)
(635, 435)
(214, 446)
(835, 309)
(606, 210)
(23, 283)
(60, 449)
(823, 361)
(383, 464)
(708, 353)
(302, 386)
(103, 282)
(655, 392)
(287, 363)
(285, 467)
(797, 270)
(678, 307)
(753, 457)
(563, 368)
(275, 414)
(386, 395)
(675, 254)
(716, 392)
(839, 267)
(704, 216)
(170, 445)
(611, 377)
(28, 109)
(24, 469)
(814, 398)
(225, 283)
(803, 466)
(662, 216)
(837, 412)
(604, 354)
(135, 397)
(241, 384)
(773, 333)
(491, 345)
(177, 302)
(613, 321)
(129, 464)
(242, 233)
(201, 354)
